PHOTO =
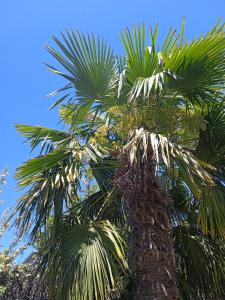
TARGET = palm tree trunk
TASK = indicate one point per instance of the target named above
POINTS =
(151, 254)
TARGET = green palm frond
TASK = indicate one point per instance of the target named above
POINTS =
(200, 263)
(199, 66)
(40, 133)
(68, 96)
(142, 60)
(144, 69)
(86, 261)
(102, 206)
(37, 165)
(200, 259)
(90, 63)
(192, 70)
(47, 137)
(211, 143)
(53, 180)
(106, 203)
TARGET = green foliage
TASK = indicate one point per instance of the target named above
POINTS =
(84, 260)
(169, 97)
(17, 281)
(200, 259)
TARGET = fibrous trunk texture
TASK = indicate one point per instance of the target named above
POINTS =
(151, 255)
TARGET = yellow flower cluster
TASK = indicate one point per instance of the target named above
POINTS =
(166, 119)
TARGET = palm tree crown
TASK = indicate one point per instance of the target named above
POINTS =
(170, 97)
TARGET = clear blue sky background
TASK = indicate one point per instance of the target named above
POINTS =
(26, 27)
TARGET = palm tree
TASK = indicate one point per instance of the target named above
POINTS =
(137, 128)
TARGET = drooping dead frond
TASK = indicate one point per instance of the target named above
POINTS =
(163, 151)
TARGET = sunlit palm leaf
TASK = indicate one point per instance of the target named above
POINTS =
(199, 66)
(90, 63)
(54, 179)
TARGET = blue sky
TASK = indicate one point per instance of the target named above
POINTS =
(26, 27)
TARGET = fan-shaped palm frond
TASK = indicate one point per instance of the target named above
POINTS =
(192, 70)
(86, 260)
(54, 178)
(200, 259)
(200, 263)
(91, 65)
(199, 66)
